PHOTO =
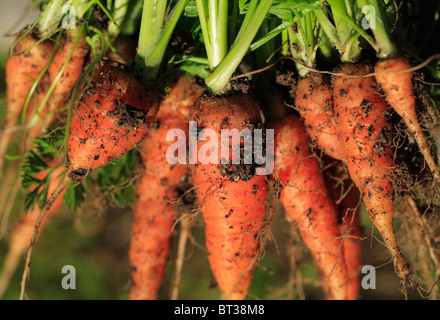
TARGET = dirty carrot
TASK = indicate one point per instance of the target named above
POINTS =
(27, 60)
(117, 109)
(362, 118)
(111, 118)
(393, 75)
(307, 202)
(399, 92)
(231, 197)
(157, 204)
(314, 101)
(66, 68)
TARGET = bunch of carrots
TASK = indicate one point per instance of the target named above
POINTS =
(129, 104)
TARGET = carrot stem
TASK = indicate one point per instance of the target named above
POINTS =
(50, 17)
(154, 36)
(120, 8)
(219, 78)
(382, 35)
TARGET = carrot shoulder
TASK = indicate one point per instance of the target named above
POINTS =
(314, 101)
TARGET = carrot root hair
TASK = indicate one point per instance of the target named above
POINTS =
(64, 182)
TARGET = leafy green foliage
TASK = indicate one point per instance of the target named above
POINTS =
(287, 10)
(191, 9)
(74, 196)
(47, 148)
(114, 180)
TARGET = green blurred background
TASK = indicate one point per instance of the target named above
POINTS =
(95, 241)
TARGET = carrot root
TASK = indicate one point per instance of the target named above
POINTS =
(365, 133)
(306, 200)
(399, 93)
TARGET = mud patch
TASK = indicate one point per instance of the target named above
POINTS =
(128, 116)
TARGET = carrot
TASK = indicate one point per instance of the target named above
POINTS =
(347, 200)
(307, 202)
(161, 183)
(231, 198)
(399, 93)
(111, 118)
(22, 232)
(393, 73)
(365, 132)
(122, 53)
(314, 101)
(352, 232)
(73, 50)
(23, 66)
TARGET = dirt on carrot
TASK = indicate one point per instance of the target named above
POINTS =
(314, 101)
(161, 194)
(233, 207)
(366, 136)
(307, 202)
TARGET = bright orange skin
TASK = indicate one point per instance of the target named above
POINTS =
(73, 71)
(399, 92)
(365, 132)
(306, 201)
(233, 211)
(314, 101)
(154, 213)
(21, 69)
(21, 72)
(100, 132)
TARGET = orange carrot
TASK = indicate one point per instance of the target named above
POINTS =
(75, 54)
(154, 212)
(352, 244)
(22, 232)
(111, 118)
(28, 59)
(314, 100)
(347, 200)
(231, 197)
(307, 202)
(399, 93)
(365, 132)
